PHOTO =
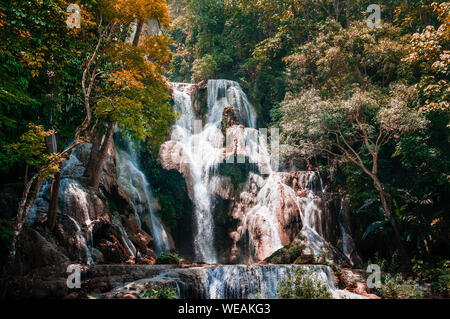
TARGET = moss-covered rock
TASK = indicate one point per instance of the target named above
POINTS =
(168, 259)
(237, 172)
(289, 255)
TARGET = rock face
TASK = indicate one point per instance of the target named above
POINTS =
(92, 227)
(268, 209)
(230, 118)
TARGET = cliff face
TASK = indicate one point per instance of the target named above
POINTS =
(92, 227)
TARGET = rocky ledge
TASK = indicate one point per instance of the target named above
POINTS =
(189, 281)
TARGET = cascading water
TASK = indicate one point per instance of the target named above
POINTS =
(310, 219)
(262, 208)
(260, 281)
(222, 93)
(235, 281)
(202, 151)
(74, 197)
(269, 204)
(242, 282)
(82, 239)
(345, 236)
(135, 185)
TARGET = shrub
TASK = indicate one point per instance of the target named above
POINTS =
(168, 259)
(204, 68)
(305, 284)
(237, 172)
(395, 287)
(437, 273)
(441, 285)
(159, 293)
(287, 255)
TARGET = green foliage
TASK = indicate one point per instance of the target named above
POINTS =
(31, 147)
(287, 255)
(305, 284)
(204, 68)
(393, 264)
(168, 259)
(428, 54)
(436, 273)
(237, 172)
(271, 47)
(159, 293)
(374, 227)
(169, 188)
(395, 287)
(337, 63)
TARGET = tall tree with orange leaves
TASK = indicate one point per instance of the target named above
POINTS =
(121, 84)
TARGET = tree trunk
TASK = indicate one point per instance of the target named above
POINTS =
(347, 13)
(53, 207)
(98, 155)
(25, 180)
(24, 207)
(388, 214)
(137, 35)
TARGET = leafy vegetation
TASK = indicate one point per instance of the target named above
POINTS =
(395, 287)
(372, 102)
(305, 284)
(169, 188)
(159, 293)
(237, 172)
(438, 273)
(168, 259)
(287, 255)
(79, 84)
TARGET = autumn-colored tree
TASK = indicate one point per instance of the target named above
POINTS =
(121, 83)
(134, 93)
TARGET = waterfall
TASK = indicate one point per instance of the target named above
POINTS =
(203, 151)
(241, 282)
(345, 236)
(261, 281)
(222, 93)
(270, 202)
(83, 242)
(135, 185)
(231, 281)
(315, 185)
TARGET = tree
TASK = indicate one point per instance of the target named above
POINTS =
(121, 83)
(429, 56)
(354, 129)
